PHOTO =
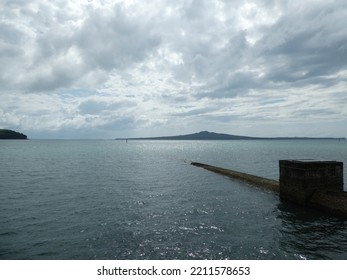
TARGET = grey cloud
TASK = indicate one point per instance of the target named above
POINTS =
(91, 107)
(15, 2)
(10, 34)
(56, 77)
(94, 107)
(115, 39)
(194, 112)
(61, 53)
(8, 52)
(221, 118)
(10, 49)
(52, 44)
(175, 99)
(120, 123)
(212, 52)
(235, 84)
(170, 55)
(304, 45)
(271, 101)
(315, 113)
(301, 47)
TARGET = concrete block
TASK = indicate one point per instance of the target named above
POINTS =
(300, 179)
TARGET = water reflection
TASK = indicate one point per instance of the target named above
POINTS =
(305, 233)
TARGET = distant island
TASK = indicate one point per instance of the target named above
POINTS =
(11, 134)
(206, 135)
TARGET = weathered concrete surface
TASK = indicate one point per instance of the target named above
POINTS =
(265, 183)
(329, 201)
(300, 179)
(333, 202)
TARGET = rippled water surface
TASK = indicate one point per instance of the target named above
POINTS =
(142, 200)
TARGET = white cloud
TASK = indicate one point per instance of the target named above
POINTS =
(173, 67)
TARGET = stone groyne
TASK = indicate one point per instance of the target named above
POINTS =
(300, 191)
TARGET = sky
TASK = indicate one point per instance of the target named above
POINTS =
(108, 69)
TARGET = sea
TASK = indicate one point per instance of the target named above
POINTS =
(142, 200)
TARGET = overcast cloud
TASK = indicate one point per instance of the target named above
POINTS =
(107, 69)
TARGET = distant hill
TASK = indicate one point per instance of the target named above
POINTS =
(203, 135)
(206, 135)
(10, 134)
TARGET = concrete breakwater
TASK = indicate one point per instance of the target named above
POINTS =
(267, 184)
(299, 190)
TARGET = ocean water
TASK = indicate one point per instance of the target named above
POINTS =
(98, 199)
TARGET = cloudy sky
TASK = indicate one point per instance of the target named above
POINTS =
(107, 69)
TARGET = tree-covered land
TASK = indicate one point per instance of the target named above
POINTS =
(10, 134)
